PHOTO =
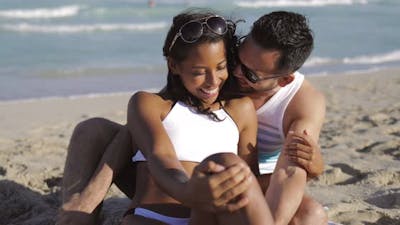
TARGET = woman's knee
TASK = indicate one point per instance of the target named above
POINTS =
(225, 159)
(228, 160)
(93, 135)
(93, 127)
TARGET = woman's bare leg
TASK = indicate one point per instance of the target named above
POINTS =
(94, 143)
(198, 217)
(140, 220)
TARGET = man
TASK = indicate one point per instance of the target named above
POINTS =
(290, 113)
(277, 46)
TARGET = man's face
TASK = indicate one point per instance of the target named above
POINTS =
(259, 63)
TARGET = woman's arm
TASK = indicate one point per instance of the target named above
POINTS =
(145, 114)
(244, 114)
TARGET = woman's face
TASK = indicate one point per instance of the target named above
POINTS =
(204, 71)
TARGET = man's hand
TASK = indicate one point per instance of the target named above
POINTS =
(213, 187)
(303, 150)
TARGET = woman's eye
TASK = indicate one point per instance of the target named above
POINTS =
(222, 67)
(198, 73)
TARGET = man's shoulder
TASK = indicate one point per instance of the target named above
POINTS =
(306, 110)
(307, 99)
(308, 92)
(304, 87)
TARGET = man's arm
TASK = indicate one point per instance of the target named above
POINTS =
(305, 115)
(302, 123)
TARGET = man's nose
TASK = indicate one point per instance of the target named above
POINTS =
(237, 72)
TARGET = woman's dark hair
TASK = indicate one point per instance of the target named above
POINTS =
(175, 90)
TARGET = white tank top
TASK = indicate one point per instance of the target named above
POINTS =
(270, 136)
(195, 136)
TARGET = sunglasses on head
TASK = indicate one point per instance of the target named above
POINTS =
(191, 31)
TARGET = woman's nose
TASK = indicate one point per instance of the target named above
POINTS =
(212, 78)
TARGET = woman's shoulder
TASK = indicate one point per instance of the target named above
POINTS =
(241, 110)
(143, 96)
(240, 105)
(149, 100)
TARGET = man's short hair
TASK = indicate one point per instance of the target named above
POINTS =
(287, 32)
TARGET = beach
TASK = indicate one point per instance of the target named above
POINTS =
(360, 143)
(62, 62)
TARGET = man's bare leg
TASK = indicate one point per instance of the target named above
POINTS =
(309, 211)
(99, 149)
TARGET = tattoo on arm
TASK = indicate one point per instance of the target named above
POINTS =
(178, 175)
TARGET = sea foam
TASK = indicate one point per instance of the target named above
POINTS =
(393, 56)
(297, 3)
(373, 59)
(319, 61)
(28, 28)
(41, 13)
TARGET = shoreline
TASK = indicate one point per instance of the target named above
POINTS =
(155, 84)
(360, 142)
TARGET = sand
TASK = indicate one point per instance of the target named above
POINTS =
(360, 141)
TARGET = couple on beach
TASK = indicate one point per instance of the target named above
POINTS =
(231, 139)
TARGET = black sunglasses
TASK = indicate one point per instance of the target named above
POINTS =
(191, 31)
(252, 76)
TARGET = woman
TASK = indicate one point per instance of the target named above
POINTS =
(192, 129)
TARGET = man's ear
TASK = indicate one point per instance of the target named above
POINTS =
(285, 80)
(172, 65)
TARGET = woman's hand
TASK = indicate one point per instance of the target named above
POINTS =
(213, 187)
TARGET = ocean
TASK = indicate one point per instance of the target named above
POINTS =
(94, 47)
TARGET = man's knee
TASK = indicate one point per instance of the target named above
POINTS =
(311, 210)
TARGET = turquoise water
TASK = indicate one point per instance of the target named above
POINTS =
(64, 48)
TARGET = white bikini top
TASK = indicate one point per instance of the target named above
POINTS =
(195, 136)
